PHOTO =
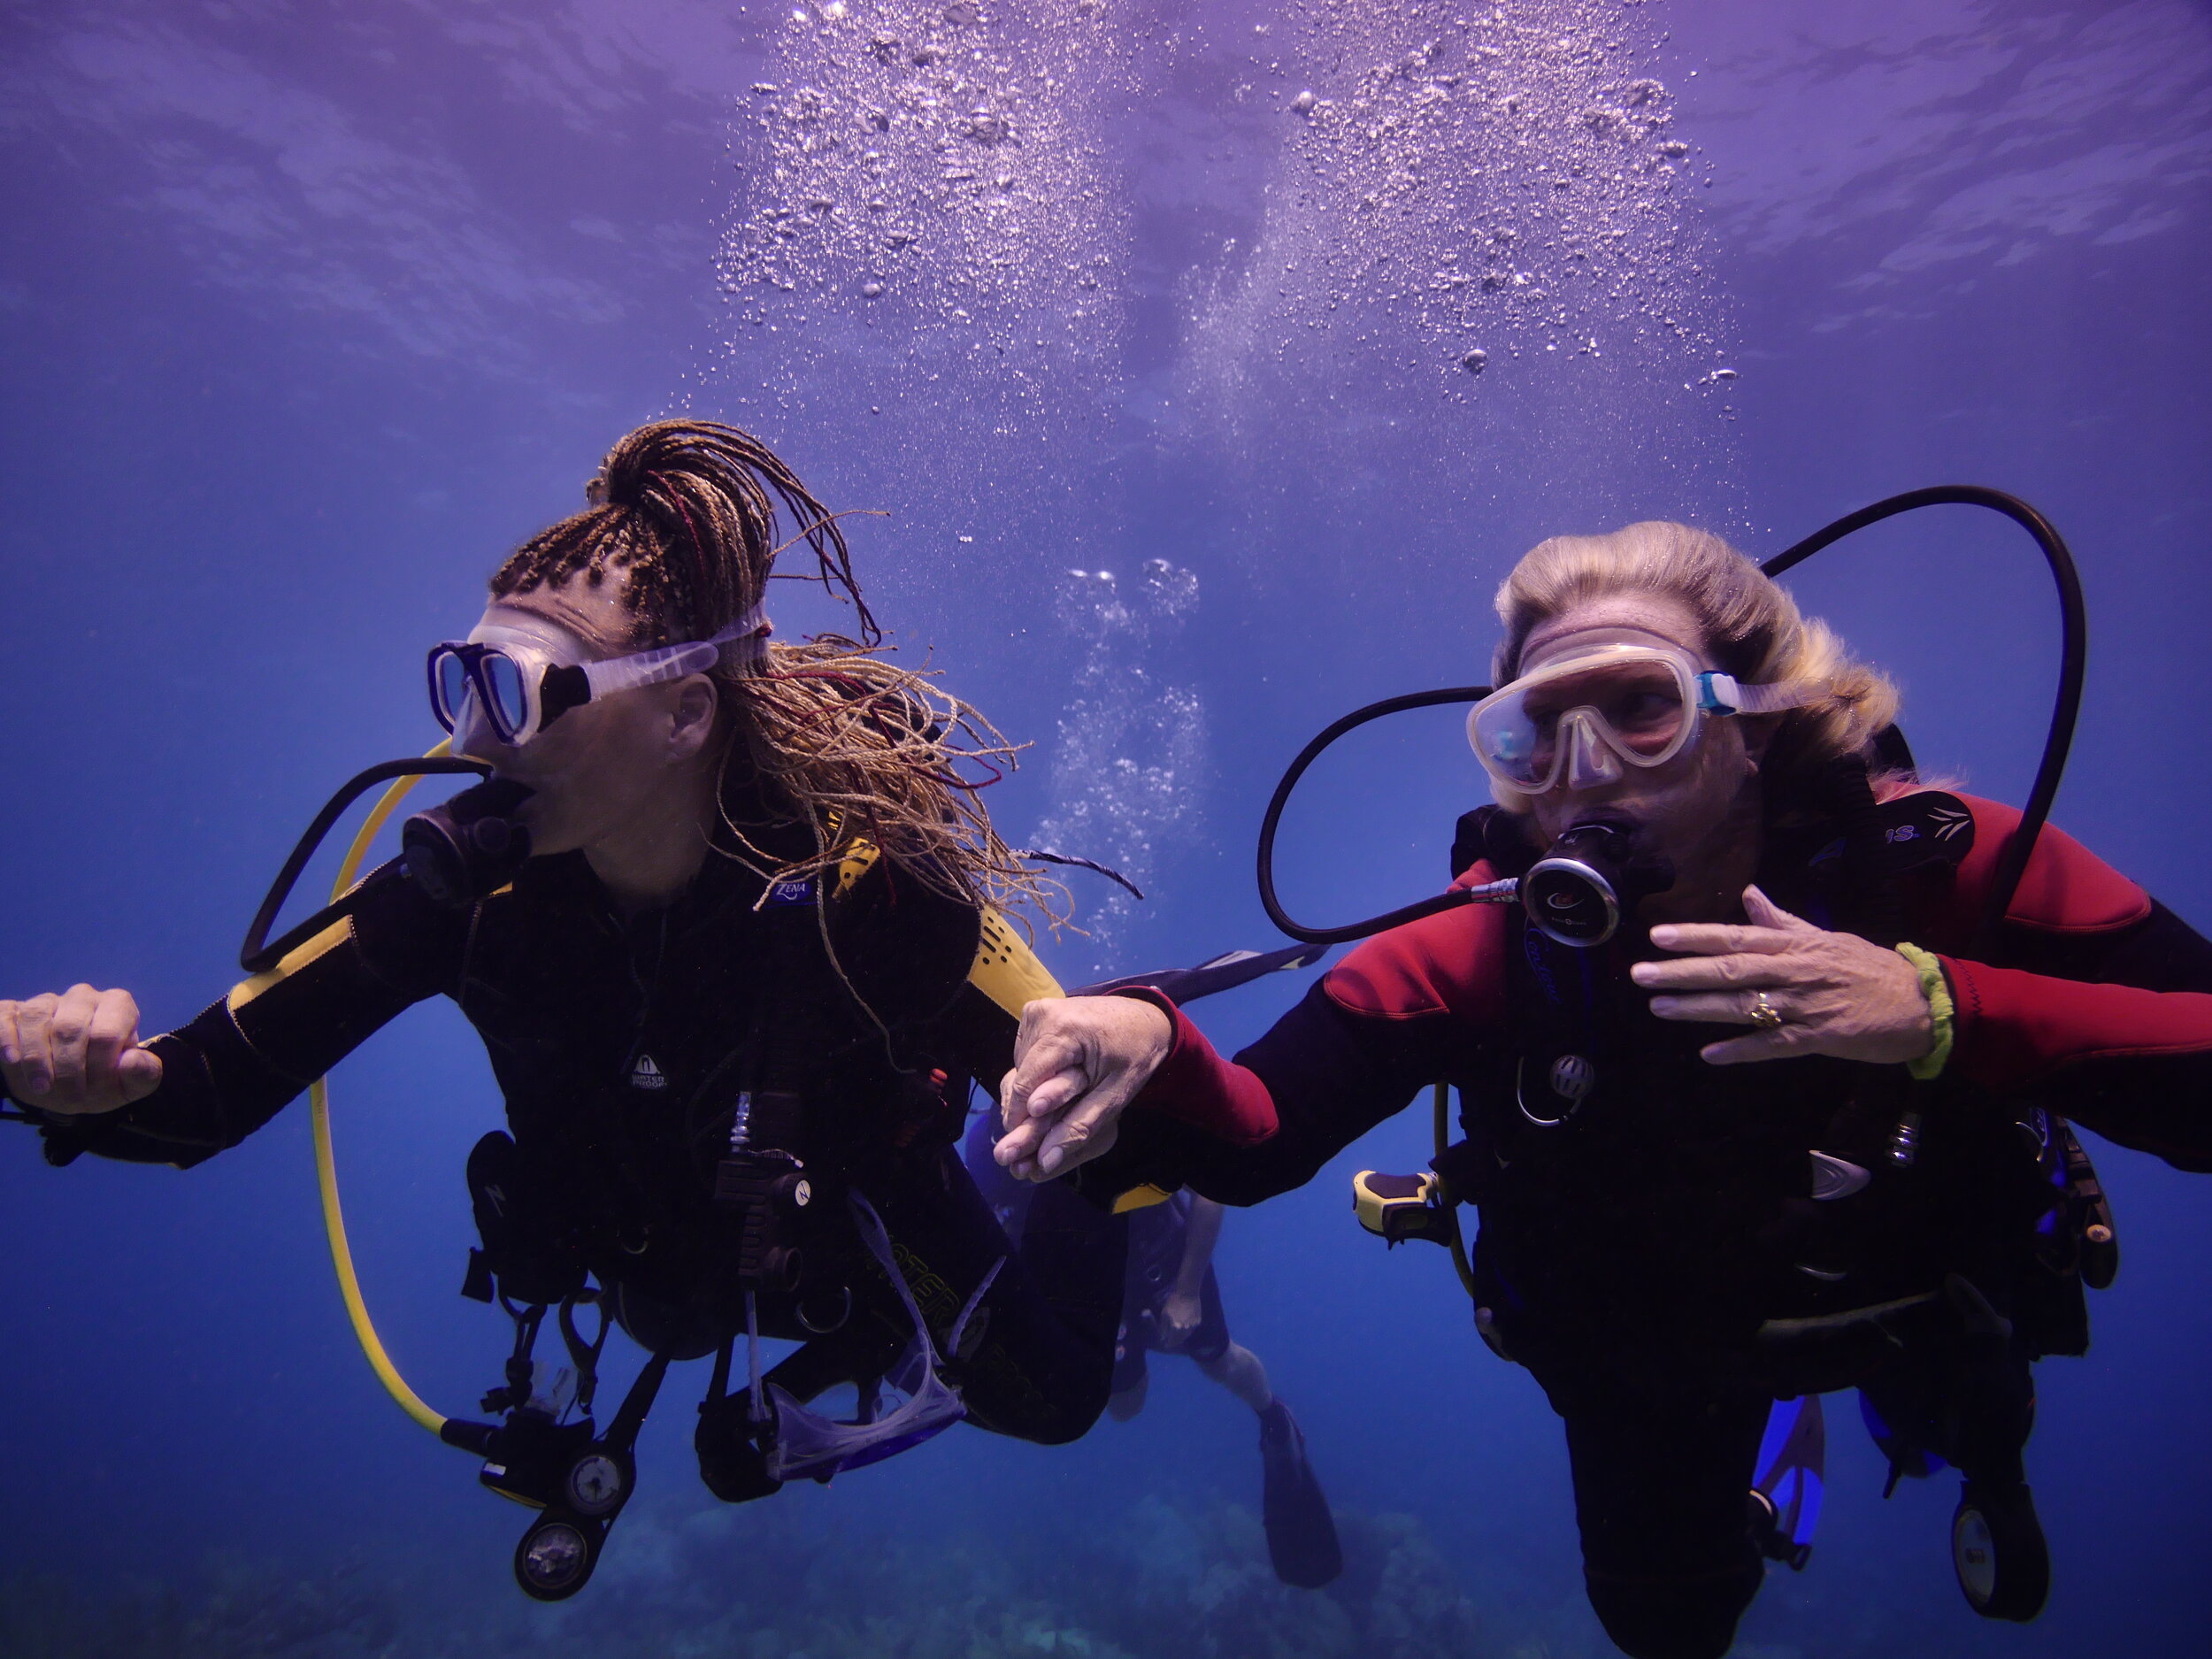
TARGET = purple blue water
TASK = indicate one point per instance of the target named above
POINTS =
(1209, 363)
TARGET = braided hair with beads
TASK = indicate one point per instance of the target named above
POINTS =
(683, 514)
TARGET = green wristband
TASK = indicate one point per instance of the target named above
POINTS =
(1941, 1009)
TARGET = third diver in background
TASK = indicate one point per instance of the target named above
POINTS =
(1171, 1304)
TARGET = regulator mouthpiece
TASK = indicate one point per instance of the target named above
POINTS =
(470, 847)
(1576, 892)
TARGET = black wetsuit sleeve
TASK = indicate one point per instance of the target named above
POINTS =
(241, 1061)
(1332, 1075)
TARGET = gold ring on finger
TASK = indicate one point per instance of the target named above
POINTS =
(1764, 1015)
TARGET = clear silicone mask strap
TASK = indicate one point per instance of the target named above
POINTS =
(673, 662)
(1723, 693)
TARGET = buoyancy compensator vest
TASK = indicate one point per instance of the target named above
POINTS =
(1633, 1196)
(761, 1084)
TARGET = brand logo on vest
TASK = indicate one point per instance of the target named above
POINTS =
(645, 1074)
(1573, 1078)
(791, 893)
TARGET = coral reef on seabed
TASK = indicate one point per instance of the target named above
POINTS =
(1164, 1581)
(231, 1609)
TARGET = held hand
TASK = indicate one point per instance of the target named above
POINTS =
(1837, 993)
(75, 1053)
(1178, 1316)
(1077, 1062)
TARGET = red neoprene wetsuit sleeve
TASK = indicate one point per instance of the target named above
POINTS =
(1351, 1053)
(2016, 1026)
(2096, 994)
(1196, 1086)
(2113, 977)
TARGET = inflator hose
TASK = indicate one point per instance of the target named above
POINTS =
(1273, 817)
(2011, 864)
(319, 1092)
(2073, 656)
(258, 957)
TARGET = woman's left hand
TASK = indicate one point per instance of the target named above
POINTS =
(1837, 993)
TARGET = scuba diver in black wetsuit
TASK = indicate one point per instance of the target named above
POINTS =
(724, 915)
(1705, 821)
(1171, 1304)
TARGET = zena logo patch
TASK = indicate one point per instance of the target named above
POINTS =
(791, 893)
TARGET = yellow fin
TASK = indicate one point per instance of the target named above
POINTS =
(1007, 971)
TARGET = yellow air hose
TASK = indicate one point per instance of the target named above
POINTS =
(326, 1169)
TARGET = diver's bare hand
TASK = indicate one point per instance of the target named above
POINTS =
(77, 1052)
(1077, 1062)
(1180, 1315)
(1837, 993)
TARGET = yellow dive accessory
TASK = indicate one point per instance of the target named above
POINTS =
(326, 1164)
(1395, 1208)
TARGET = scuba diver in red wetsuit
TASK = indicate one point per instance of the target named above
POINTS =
(1767, 1116)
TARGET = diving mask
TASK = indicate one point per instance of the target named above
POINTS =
(524, 674)
(1580, 719)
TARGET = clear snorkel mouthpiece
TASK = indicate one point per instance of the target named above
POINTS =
(804, 1443)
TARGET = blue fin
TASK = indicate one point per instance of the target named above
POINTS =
(1908, 1458)
(1792, 1457)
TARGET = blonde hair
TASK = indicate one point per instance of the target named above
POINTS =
(1752, 629)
